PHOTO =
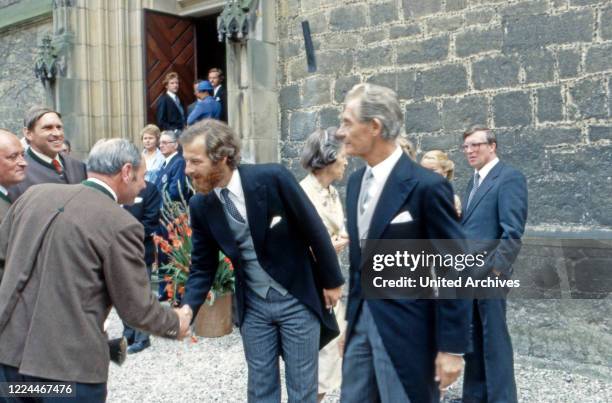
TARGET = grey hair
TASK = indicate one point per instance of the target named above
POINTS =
(381, 103)
(108, 156)
(34, 114)
(321, 149)
(171, 134)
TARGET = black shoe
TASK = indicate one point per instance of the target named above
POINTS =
(138, 347)
(118, 350)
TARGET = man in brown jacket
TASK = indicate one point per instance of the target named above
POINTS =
(12, 167)
(68, 253)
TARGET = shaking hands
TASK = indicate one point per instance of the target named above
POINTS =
(185, 315)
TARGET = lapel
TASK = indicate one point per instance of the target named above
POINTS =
(352, 197)
(67, 172)
(5, 198)
(399, 184)
(483, 189)
(219, 227)
(40, 161)
(255, 197)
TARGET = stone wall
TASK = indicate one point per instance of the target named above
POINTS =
(538, 72)
(19, 88)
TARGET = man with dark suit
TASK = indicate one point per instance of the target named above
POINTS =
(395, 349)
(215, 77)
(494, 208)
(170, 110)
(171, 177)
(146, 210)
(64, 265)
(287, 273)
(44, 130)
(12, 167)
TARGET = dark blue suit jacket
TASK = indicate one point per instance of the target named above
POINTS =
(287, 251)
(498, 211)
(146, 210)
(413, 331)
(168, 114)
(171, 178)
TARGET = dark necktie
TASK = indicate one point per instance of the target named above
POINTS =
(474, 189)
(231, 207)
(58, 167)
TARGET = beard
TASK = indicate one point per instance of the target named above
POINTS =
(209, 181)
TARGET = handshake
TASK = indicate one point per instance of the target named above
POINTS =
(185, 315)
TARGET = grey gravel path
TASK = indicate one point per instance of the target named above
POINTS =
(214, 370)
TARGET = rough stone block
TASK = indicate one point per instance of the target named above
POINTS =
(599, 58)
(289, 97)
(550, 104)
(298, 69)
(569, 63)
(597, 133)
(461, 113)
(329, 117)
(589, 97)
(402, 31)
(316, 91)
(444, 142)
(445, 80)
(525, 8)
(377, 35)
(388, 80)
(539, 66)
(512, 109)
(444, 24)
(284, 125)
(552, 136)
(606, 28)
(406, 84)
(290, 48)
(383, 13)
(495, 72)
(347, 18)
(483, 16)
(374, 57)
(456, 5)
(419, 8)
(535, 31)
(302, 124)
(429, 50)
(343, 85)
(583, 2)
(334, 61)
(422, 117)
(473, 41)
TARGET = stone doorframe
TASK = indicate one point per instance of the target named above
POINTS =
(102, 93)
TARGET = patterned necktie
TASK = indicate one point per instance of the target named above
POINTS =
(365, 191)
(58, 167)
(474, 189)
(178, 105)
(231, 207)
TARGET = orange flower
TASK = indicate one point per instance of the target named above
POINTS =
(176, 243)
(167, 278)
(181, 290)
(188, 232)
(209, 296)
(194, 339)
(170, 227)
(177, 221)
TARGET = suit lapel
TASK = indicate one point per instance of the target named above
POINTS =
(483, 189)
(220, 228)
(255, 197)
(399, 185)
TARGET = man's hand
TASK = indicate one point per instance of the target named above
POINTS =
(448, 369)
(331, 297)
(339, 243)
(184, 314)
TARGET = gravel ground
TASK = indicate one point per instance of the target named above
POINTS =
(214, 370)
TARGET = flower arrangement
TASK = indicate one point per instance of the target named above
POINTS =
(178, 246)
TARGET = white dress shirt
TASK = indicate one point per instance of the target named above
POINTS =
(105, 186)
(46, 158)
(484, 171)
(3, 190)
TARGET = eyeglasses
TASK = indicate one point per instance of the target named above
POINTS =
(472, 146)
(167, 142)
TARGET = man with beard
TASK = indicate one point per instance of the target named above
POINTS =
(12, 167)
(263, 221)
(44, 130)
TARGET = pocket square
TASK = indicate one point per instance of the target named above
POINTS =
(138, 200)
(275, 220)
(402, 218)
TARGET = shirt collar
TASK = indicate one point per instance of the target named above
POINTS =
(105, 186)
(167, 160)
(171, 95)
(382, 170)
(3, 190)
(484, 171)
(234, 186)
(46, 158)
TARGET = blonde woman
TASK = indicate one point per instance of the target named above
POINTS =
(324, 158)
(153, 157)
(439, 162)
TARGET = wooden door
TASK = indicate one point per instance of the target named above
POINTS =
(169, 46)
